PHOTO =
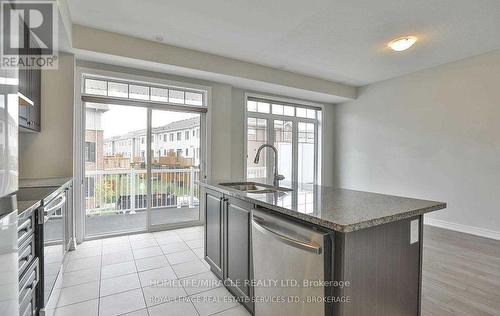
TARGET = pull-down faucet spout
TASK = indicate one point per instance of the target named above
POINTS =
(277, 176)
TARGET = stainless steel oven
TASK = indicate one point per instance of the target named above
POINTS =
(27, 290)
(53, 240)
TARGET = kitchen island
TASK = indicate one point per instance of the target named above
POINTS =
(373, 243)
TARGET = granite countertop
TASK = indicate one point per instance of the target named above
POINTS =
(31, 198)
(44, 182)
(32, 192)
(333, 208)
(25, 206)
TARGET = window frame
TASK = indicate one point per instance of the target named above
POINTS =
(90, 70)
(149, 86)
(270, 118)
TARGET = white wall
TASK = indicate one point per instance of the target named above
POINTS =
(221, 137)
(50, 152)
(434, 134)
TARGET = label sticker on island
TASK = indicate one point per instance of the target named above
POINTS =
(414, 231)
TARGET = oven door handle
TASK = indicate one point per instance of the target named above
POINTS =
(51, 209)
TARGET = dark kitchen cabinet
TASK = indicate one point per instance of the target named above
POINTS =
(30, 103)
(227, 243)
(214, 231)
(30, 90)
(237, 269)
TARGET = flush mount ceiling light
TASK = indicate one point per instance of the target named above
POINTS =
(402, 43)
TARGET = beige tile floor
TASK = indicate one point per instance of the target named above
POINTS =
(161, 273)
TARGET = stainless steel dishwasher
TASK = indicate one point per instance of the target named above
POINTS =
(289, 261)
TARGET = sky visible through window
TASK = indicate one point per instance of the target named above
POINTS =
(134, 117)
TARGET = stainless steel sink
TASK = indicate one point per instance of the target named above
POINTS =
(254, 187)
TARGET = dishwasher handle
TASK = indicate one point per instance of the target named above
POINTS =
(259, 224)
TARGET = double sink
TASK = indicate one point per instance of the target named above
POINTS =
(254, 187)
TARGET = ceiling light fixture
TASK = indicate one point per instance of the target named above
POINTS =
(402, 43)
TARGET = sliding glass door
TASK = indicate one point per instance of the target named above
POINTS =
(175, 167)
(115, 159)
(142, 155)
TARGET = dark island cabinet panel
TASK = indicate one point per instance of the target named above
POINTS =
(213, 231)
(237, 267)
(383, 266)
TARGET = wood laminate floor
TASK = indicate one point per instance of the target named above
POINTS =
(461, 274)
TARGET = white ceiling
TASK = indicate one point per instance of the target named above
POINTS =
(343, 41)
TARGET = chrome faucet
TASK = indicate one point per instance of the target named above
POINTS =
(277, 176)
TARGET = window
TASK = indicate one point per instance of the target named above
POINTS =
(116, 89)
(119, 178)
(256, 136)
(138, 92)
(283, 141)
(159, 94)
(306, 152)
(175, 96)
(194, 133)
(150, 92)
(97, 87)
(89, 152)
(293, 130)
(194, 98)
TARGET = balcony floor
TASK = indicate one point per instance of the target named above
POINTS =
(100, 225)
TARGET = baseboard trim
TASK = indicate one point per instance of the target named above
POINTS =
(463, 228)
